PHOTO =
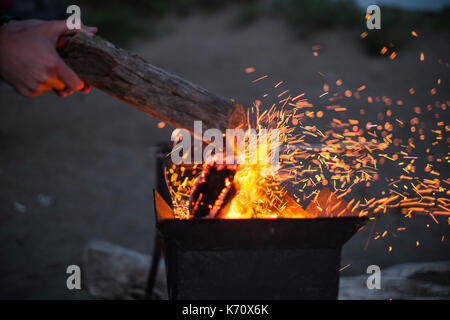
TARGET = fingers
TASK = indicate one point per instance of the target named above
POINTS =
(59, 28)
(68, 76)
(65, 81)
(41, 89)
(92, 30)
(24, 91)
(85, 29)
(59, 76)
(86, 88)
(56, 84)
(62, 29)
(52, 83)
(64, 93)
(46, 87)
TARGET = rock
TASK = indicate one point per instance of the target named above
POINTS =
(44, 200)
(425, 280)
(19, 207)
(114, 272)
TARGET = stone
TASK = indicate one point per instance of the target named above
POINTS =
(110, 271)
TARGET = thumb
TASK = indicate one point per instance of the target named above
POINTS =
(59, 27)
(84, 28)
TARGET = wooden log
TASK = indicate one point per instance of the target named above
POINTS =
(146, 87)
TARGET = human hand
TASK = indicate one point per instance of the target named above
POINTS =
(29, 61)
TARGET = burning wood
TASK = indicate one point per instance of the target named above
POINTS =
(212, 191)
(215, 194)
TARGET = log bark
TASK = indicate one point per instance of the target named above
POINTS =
(148, 88)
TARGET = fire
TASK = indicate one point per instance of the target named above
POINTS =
(321, 168)
(259, 196)
(259, 191)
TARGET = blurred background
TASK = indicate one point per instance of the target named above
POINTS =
(84, 167)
